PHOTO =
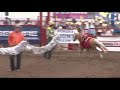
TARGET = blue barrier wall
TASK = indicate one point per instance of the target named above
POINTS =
(116, 31)
(31, 32)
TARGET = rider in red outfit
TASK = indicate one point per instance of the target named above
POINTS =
(85, 41)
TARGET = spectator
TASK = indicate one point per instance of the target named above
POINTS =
(73, 20)
(17, 22)
(15, 38)
(104, 26)
(45, 26)
(95, 25)
(74, 28)
(82, 27)
(109, 31)
(77, 24)
(57, 24)
(86, 27)
(119, 25)
(71, 25)
(99, 28)
(10, 21)
(49, 35)
(7, 21)
(60, 28)
(28, 21)
(68, 26)
(63, 23)
(92, 30)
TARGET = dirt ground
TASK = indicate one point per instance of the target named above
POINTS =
(64, 64)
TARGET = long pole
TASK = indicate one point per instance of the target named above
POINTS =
(42, 31)
(112, 19)
(48, 16)
(41, 42)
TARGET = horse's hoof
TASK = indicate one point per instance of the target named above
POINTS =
(85, 50)
(101, 56)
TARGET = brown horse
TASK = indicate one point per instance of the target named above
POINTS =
(89, 42)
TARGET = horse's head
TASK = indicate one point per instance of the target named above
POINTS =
(77, 36)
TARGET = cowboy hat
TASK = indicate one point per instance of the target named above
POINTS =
(60, 27)
(71, 23)
(17, 26)
(78, 23)
(104, 25)
(51, 23)
(67, 22)
(6, 18)
(101, 21)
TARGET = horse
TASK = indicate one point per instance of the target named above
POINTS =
(87, 42)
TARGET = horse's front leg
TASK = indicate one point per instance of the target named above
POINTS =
(81, 49)
(88, 50)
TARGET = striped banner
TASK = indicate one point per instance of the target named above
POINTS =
(112, 43)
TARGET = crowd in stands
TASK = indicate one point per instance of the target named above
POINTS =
(94, 28)
(8, 21)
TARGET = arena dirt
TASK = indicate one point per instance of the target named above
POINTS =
(64, 64)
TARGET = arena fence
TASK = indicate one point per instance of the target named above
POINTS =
(31, 32)
(74, 46)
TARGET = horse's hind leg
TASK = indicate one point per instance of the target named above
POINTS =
(101, 46)
(81, 49)
(88, 51)
(100, 52)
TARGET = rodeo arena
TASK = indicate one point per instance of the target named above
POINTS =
(59, 44)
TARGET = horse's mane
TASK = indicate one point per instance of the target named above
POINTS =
(78, 34)
(79, 29)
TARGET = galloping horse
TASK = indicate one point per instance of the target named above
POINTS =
(87, 42)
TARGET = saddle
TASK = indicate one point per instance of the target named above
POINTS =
(85, 42)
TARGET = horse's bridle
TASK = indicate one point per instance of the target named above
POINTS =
(76, 36)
